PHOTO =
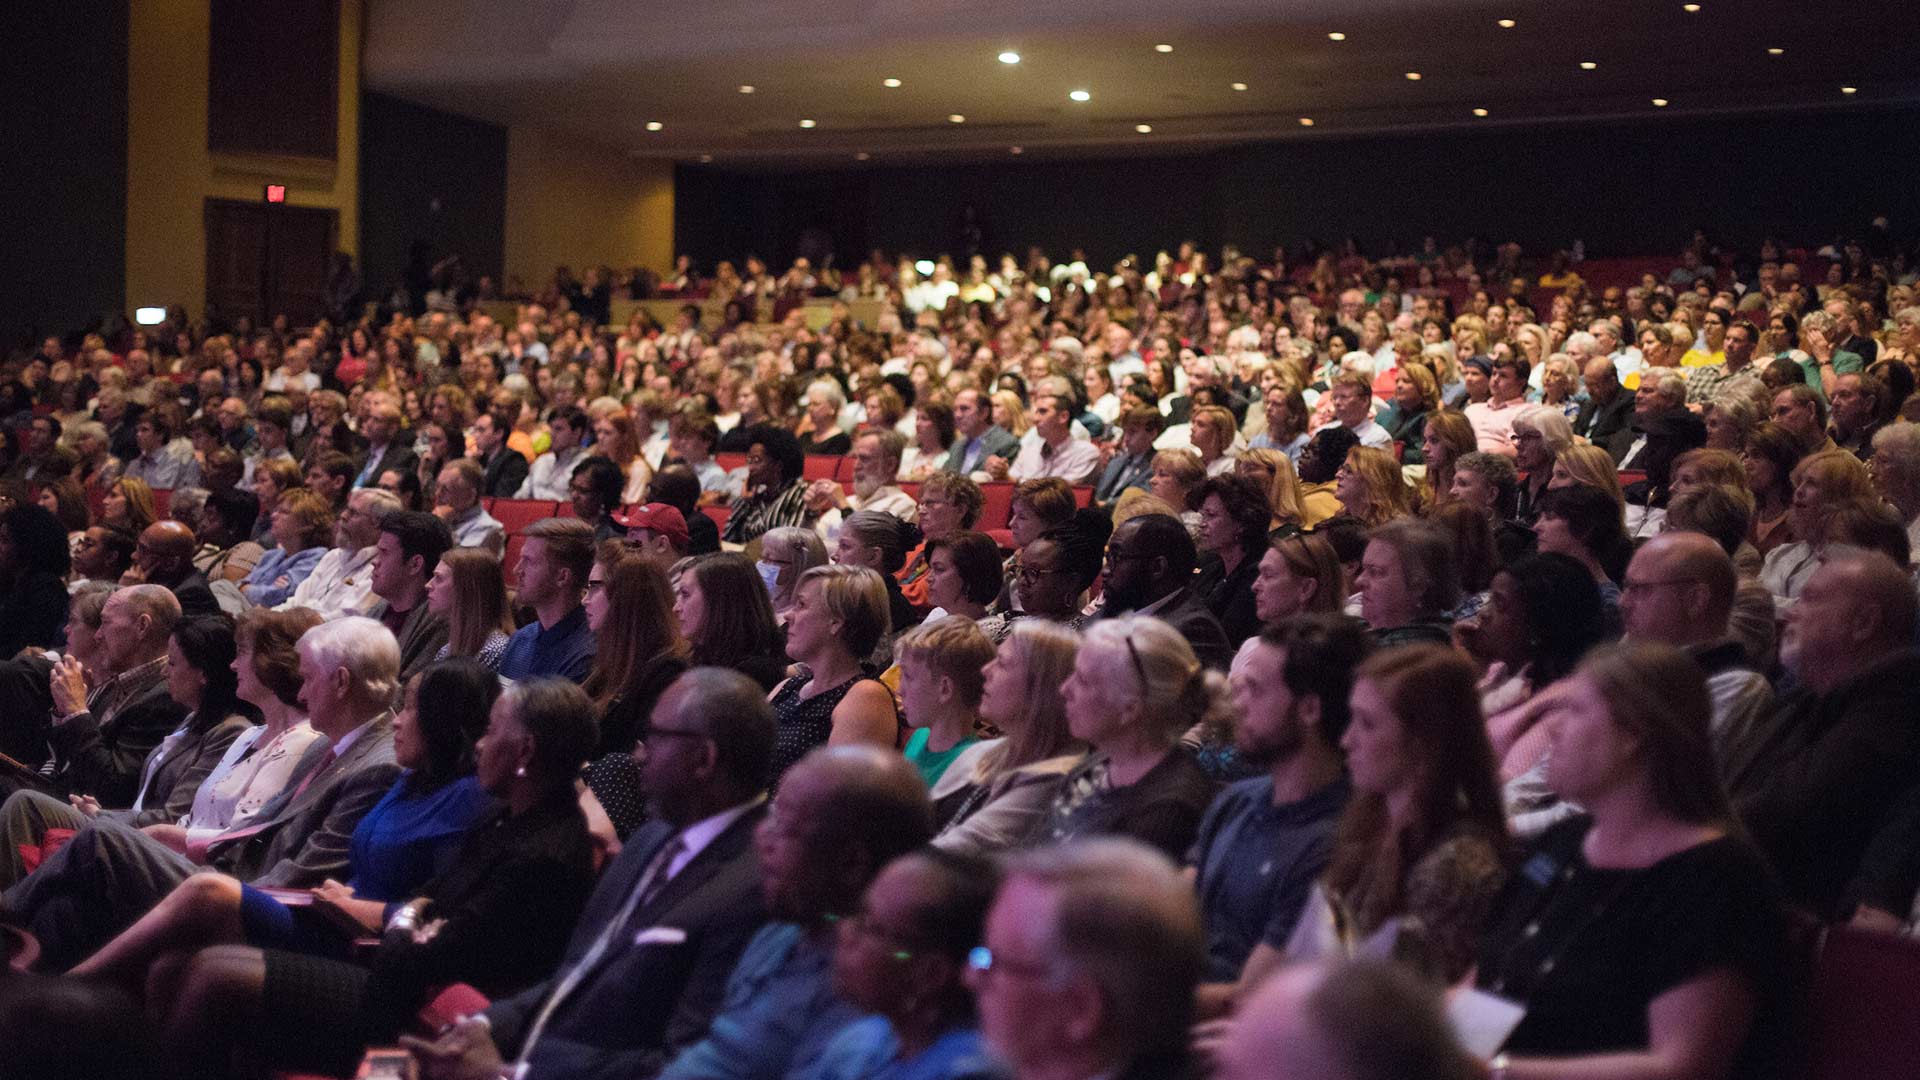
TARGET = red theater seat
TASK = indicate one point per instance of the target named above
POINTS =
(823, 467)
(1863, 1020)
(517, 514)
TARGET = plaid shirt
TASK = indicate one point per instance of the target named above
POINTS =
(1710, 381)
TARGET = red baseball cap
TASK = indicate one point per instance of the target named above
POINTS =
(659, 517)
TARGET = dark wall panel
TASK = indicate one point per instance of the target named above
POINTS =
(428, 179)
(273, 79)
(63, 192)
(1624, 189)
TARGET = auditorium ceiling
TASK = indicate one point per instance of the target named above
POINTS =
(789, 83)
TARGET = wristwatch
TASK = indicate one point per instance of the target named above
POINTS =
(1497, 1068)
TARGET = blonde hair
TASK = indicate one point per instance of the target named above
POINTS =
(856, 598)
(1592, 466)
(1047, 651)
(1016, 412)
(1839, 474)
(1283, 491)
(1137, 502)
(954, 647)
(1381, 478)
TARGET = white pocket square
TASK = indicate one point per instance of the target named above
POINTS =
(660, 935)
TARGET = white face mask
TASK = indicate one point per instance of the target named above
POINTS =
(769, 573)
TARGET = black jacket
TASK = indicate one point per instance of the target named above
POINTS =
(1827, 776)
(654, 992)
(104, 758)
(504, 473)
(1600, 423)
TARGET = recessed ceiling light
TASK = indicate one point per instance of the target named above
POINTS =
(1306, 121)
(1479, 112)
(1849, 89)
(1240, 86)
(1016, 149)
(891, 84)
(1079, 95)
(1413, 76)
(806, 123)
(1690, 8)
(1659, 103)
(1144, 129)
(654, 125)
(1163, 48)
(745, 88)
(1336, 36)
(956, 118)
(1588, 65)
(1009, 57)
(862, 156)
(706, 159)
(1507, 24)
(1776, 51)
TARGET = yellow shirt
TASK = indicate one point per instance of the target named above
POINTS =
(1697, 358)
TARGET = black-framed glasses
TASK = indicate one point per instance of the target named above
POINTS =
(1139, 666)
(650, 731)
(864, 925)
(1028, 575)
(596, 583)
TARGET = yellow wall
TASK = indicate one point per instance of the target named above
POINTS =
(170, 172)
(573, 203)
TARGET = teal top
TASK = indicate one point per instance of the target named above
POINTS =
(930, 763)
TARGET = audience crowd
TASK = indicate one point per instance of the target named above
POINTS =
(1358, 630)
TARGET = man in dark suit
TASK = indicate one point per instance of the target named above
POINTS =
(1609, 406)
(110, 874)
(165, 557)
(503, 469)
(1150, 562)
(101, 736)
(648, 962)
(1132, 464)
(979, 437)
(387, 445)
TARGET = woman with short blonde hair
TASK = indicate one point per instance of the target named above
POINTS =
(1590, 465)
(839, 614)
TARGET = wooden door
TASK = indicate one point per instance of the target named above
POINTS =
(267, 258)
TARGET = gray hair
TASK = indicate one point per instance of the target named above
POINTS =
(379, 502)
(1125, 919)
(364, 647)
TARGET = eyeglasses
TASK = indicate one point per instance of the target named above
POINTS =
(596, 583)
(864, 925)
(982, 961)
(1027, 575)
(650, 731)
(1139, 667)
(1631, 585)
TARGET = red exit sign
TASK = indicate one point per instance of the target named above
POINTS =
(276, 193)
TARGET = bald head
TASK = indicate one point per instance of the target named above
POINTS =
(875, 798)
(1679, 589)
(1353, 1021)
(165, 551)
(1856, 609)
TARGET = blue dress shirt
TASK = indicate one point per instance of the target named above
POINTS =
(565, 649)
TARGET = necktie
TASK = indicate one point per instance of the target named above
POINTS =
(655, 879)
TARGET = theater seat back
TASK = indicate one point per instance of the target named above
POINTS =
(1863, 1019)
